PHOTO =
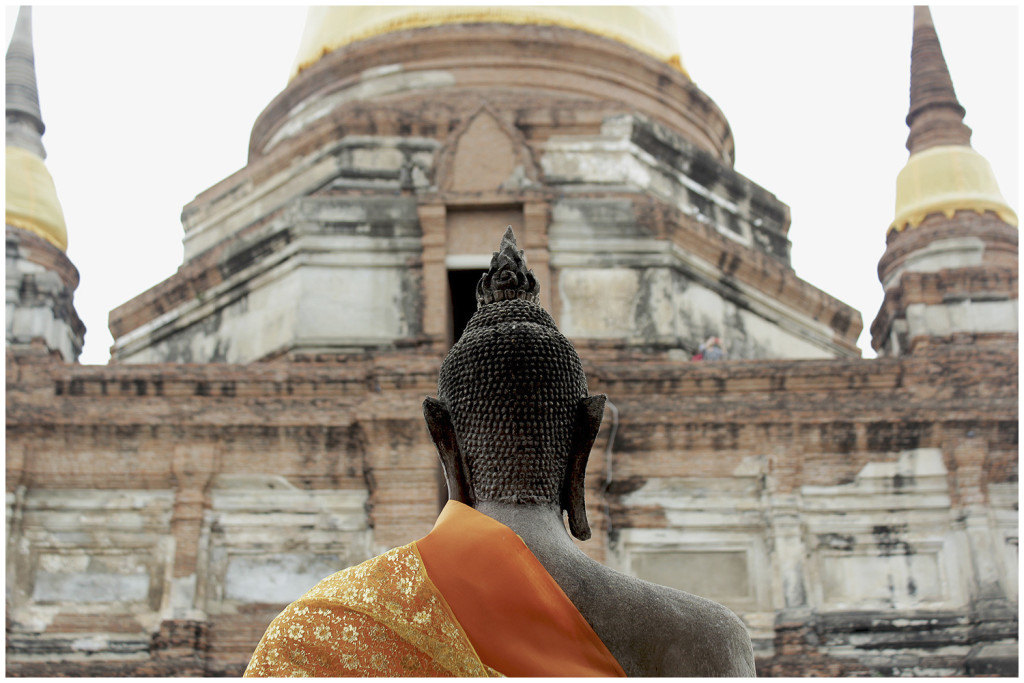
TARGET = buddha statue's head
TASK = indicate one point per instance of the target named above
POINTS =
(513, 422)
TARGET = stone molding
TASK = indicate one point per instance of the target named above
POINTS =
(40, 285)
(499, 56)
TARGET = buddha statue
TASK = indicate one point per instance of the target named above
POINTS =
(498, 587)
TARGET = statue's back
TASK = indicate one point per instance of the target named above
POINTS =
(652, 630)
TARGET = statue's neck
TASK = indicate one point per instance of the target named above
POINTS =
(540, 526)
(542, 529)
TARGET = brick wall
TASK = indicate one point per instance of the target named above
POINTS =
(339, 442)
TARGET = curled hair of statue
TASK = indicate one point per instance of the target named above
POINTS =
(513, 421)
(508, 277)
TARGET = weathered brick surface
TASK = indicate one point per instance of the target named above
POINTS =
(1000, 238)
(511, 59)
(597, 93)
(354, 424)
(989, 274)
(41, 283)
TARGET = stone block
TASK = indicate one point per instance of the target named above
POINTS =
(996, 659)
(74, 587)
(598, 303)
(276, 577)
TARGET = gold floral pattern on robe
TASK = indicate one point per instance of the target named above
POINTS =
(383, 617)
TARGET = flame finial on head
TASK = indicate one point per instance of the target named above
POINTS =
(508, 277)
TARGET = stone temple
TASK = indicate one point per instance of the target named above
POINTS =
(259, 424)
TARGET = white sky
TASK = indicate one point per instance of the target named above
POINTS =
(146, 107)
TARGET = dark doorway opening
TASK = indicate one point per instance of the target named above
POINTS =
(462, 295)
(462, 289)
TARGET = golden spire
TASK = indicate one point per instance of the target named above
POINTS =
(944, 174)
(31, 202)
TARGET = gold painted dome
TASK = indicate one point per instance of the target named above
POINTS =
(946, 179)
(32, 202)
(648, 29)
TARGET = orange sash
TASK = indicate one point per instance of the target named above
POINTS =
(469, 599)
(383, 617)
(518, 619)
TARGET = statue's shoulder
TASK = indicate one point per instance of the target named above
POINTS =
(683, 634)
(711, 639)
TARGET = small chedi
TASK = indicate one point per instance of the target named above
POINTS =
(498, 587)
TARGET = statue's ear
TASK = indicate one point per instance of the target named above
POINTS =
(439, 422)
(587, 423)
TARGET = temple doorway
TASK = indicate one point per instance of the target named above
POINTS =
(462, 293)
